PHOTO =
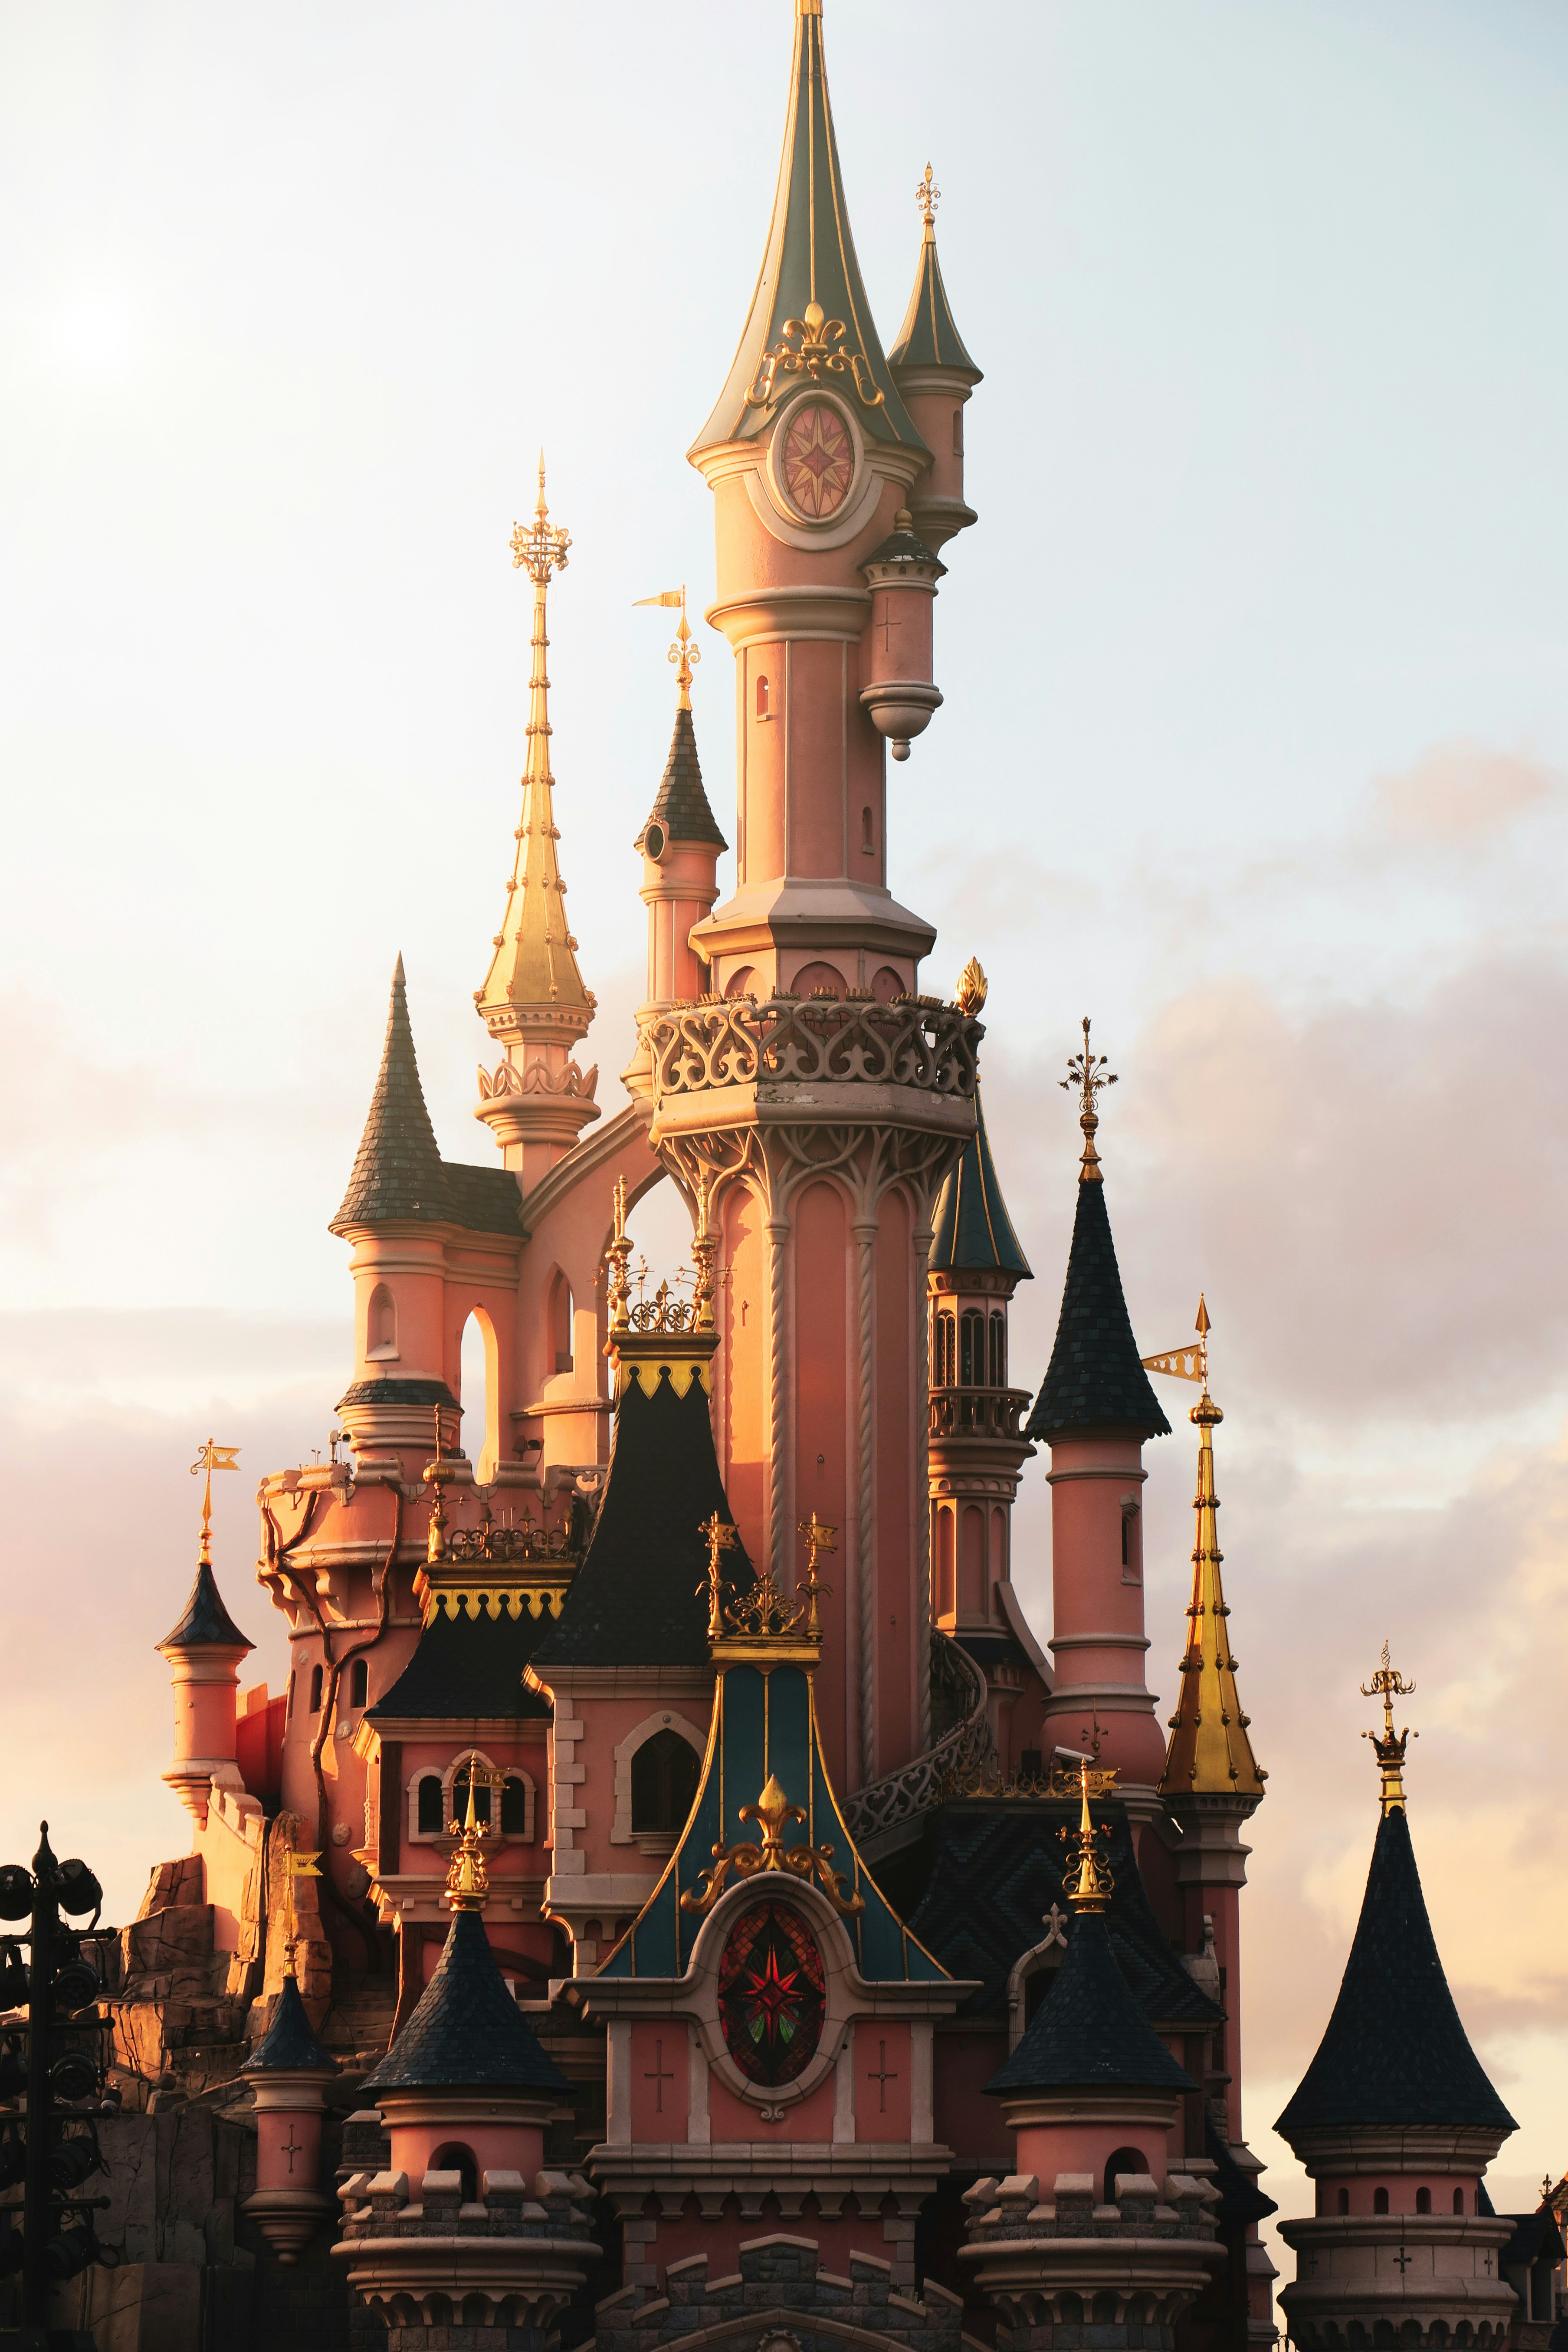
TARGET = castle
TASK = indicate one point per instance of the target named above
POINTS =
(678, 1898)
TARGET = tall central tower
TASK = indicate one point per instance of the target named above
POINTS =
(810, 1100)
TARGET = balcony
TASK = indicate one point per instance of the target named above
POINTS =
(977, 1413)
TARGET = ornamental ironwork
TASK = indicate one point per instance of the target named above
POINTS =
(813, 347)
(916, 1042)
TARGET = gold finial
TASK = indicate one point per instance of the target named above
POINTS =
(1084, 1074)
(973, 989)
(771, 1813)
(705, 1252)
(212, 1457)
(1390, 1749)
(1088, 1884)
(819, 1538)
(928, 197)
(436, 1476)
(618, 1259)
(719, 1537)
(683, 652)
(541, 551)
(296, 1865)
(467, 1879)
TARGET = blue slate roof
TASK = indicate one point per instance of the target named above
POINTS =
(289, 2043)
(1094, 1380)
(1089, 2031)
(972, 1232)
(1394, 2051)
(682, 804)
(467, 2030)
(465, 1669)
(206, 1620)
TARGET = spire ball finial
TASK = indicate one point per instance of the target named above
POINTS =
(928, 196)
(1085, 1073)
(1389, 1746)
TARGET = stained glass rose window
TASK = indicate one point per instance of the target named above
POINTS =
(771, 1993)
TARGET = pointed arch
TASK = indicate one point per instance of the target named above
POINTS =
(479, 1363)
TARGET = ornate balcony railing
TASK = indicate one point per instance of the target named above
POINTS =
(966, 1750)
(916, 1040)
(976, 1412)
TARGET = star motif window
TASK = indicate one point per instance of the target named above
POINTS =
(818, 460)
(771, 1993)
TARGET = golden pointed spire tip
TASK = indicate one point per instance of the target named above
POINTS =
(928, 197)
(1088, 1074)
(211, 1458)
(683, 652)
(1389, 1746)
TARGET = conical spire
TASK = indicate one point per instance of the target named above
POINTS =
(206, 1622)
(534, 965)
(972, 1232)
(1095, 1379)
(397, 1169)
(1394, 2051)
(929, 336)
(810, 320)
(1089, 2033)
(1209, 1753)
(468, 2031)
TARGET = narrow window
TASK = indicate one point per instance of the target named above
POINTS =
(958, 432)
(763, 710)
(998, 1351)
(431, 1817)
(460, 2161)
(664, 1781)
(514, 1807)
(868, 842)
(1458, 2200)
(1122, 2159)
(1126, 1560)
(359, 1683)
(315, 1690)
(381, 1339)
(1424, 2200)
(289, 1711)
(1380, 2200)
(1342, 2200)
(942, 1352)
(972, 1349)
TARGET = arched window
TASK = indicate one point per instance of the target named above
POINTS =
(561, 1343)
(381, 1328)
(958, 432)
(764, 709)
(867, 835)
(315, 1690)
(1122, 2160)
(1380, 2200)
(664, 1781)
(454, 2157)
(818, 980)
(431, 1813)
(972, 1349)
(944, 1349)
(359, 1683)
(1342, 2202)
(1458, 2200)
(1424, 2200)
(997, 1367)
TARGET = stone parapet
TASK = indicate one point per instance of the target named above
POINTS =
(508, 2262)
(781, 2289)
(1427, 2275)
(1073, 2273)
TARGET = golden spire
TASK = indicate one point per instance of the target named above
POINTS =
(720, 1536)
(467, 1879)
(928, 197)
(1389, 1746)
(534, 967)
(1209, 1753)
(295, 1866)
(1088, 1884)
(683, 652)
(212, 1457)
(1084, 1074)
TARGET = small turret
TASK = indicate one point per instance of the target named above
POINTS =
(901, 694)
(204, 1652)
(288, 2076)
(681, 844)
(936, 375)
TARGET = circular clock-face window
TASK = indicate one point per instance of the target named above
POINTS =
(772, 1993)
(818, 461)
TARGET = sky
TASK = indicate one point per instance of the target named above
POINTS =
(1254, 748)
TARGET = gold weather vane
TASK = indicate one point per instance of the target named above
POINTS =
(296, 1865)
(1088, 1884)
(212, 1457)
(1390, 1746)
(539, 551)
(928, 199)
(1084, 1074)
(1190, 1363)
(683, 652)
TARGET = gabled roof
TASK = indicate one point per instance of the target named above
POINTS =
(810, 257)
(929, 336)
(1394, 2051)
(206, 1622)
(398, 1172)
(640, 1597)
(463, 1668)
(1094, 1380)
(995, 1876)
(289, 2043)
(1089, 2032)
(682, 804)
(467, 2030)
(971, 1230)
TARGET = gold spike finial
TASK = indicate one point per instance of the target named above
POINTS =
(540, 552)
(467, 1879)
(1389, 1746)
(212, 1457)
(1088, 1884)
(1084, 1073)
(973, 989)
(683, 652)
(928, 197)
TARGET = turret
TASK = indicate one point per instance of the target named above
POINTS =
(900, 695)
(935, 375)
(1095, 1409)
(288, 2075)
(533, 1002)
(204, 1652)
(681, 844)
(1396, 2123)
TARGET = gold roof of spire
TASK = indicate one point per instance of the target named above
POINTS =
(1209, 1753)
(534, 967)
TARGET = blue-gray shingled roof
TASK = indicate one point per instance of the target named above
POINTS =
(206, 1622)
(681, 803)
(467, 2030)
(398, 1172)
(1089, 2032)
(288, 2045)
(971, 1230)
(1094, 1380)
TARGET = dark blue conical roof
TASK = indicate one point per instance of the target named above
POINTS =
(205, 1622)
(467, 2031)
(1089, 2032)
(288, 2042)
(1095, 1380)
